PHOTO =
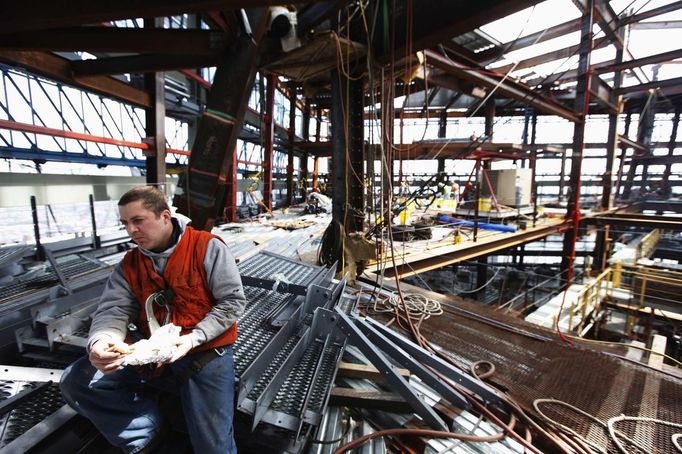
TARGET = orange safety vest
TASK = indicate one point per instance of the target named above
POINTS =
(186, 277)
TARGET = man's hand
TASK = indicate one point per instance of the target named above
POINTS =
(103, 358)
(184, 345)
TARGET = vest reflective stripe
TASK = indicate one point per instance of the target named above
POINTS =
(186, 277)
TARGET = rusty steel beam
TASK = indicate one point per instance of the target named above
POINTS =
(468, 252)
(508, 88)
(117, 39)
(59, 69)
(44, 14)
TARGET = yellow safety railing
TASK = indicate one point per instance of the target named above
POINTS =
(588, 300)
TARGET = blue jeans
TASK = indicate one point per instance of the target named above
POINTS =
(128, 420)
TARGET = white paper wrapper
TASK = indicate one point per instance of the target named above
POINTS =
(158, 348)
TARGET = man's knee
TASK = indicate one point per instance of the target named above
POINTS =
(73, 379)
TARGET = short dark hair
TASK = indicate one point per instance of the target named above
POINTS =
(152, 199)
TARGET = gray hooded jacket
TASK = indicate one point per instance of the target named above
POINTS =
(118, 306)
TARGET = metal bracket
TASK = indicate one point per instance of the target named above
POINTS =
(413, 366)
(55, 267)
(486, 392)
(276, 286)
(389, 372)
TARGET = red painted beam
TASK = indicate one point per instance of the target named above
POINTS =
(42, 130)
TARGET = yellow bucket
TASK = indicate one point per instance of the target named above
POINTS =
(484, 204)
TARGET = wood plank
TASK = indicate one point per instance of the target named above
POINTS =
(352, 370)
(372, 399)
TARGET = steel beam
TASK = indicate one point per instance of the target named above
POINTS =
(669, 86)
(118, 39)
(651, 13)
(35, 129)
(268, 138)
(633, 220)
(650, 60)
(339, 145)
(59, 69)
(508, 89)
(582, 105)
(155, 122)
(38, 155)
(141, 64)
(453, 18)
(602, 240)
(290, 150)
(43, 14)
(203, 189)
(410, 267)
(665, 181)
(566, 52)
(488, 56)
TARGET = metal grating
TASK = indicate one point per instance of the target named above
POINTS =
(596, 382)
(70, 269)
(265, 266)
(29, 413)
(292, 393)
(254, 335)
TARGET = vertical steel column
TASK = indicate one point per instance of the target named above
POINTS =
(387, 131)
(533, 166)
(665, 183)
(40, 252)
(95, 238)
(356, 147)
(268, 138)
(292, 137)
(316, 173)
(230, 210)
(601, 247)
(155, 122)
(304, 158)
(442, 133)
(582, 106)
(623, 153)
(339, 163)
(489, 119)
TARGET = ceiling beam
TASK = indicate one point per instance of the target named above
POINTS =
(650, 60)
(59, 69)
(651, 13)
(115, 39)
(566, 52)
(43, 14)
(437, 21)
(141, 64)
(508, 88)
(675, 83)
(607, 19)
(488, 56)
(657, 25)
